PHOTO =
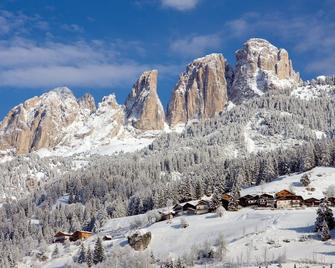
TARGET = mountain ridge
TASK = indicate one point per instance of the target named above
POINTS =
(58, 121)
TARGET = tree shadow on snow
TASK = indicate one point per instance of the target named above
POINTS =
(124, 243)
(327, 253)
(297, 184)
(306, 229)
(211, 216)
(176, 226)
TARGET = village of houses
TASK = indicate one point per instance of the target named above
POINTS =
(283, 199)
(260, 212)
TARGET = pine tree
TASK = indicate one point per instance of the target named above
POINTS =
(324, 213)
(89, 258)
(305, 181)
(82, 254)
(55, 252)
(325, 234)
(216, 199)
(179, 263)
(99, 252)
(198, 190)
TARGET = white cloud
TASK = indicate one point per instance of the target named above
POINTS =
(180, 5)
(19, 23)
(87, 75)
(26, 64)
(195, 45)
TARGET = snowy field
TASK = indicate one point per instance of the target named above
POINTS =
(253, 236)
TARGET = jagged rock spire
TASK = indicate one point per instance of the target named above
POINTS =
(143, 106)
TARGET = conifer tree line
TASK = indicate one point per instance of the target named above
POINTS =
(178, 167)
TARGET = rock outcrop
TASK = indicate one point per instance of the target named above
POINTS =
(139, 240)
(143, 107)
(87, 102)
(38, 122)
(201, 91)
(90, 130)
(261, 67)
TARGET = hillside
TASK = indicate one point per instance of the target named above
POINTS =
(253, 237)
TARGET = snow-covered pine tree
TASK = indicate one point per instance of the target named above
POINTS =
(89, 258)
(55, 252)
(216, 199)
(82, 254)
(99, 252)
(324, 213)
(329, 217)
(198, 190)
(220, 211)
(325, 233)
(305, 181)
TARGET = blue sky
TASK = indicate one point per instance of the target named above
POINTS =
(102, 46)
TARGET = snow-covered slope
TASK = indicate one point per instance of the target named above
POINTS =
(253, 236)
(102, 132)
(321, 178)
(321, 86)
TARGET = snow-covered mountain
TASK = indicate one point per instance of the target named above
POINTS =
(57, 123)
(321, 86)
(260, 67)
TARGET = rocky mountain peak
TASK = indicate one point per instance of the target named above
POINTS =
(39, 121)
(87, 102)
(143, 107)
(201, 91)
(261, 67)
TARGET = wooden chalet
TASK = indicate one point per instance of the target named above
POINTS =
(248, 200)
(61, 237)
(331, 201)
(229, 202)
(312, 202)
(166, 215)
(226, 199)
(178, 209)
(80, 235)
(266, 200)
(286, 199)
(202, 207)
(190, 207)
